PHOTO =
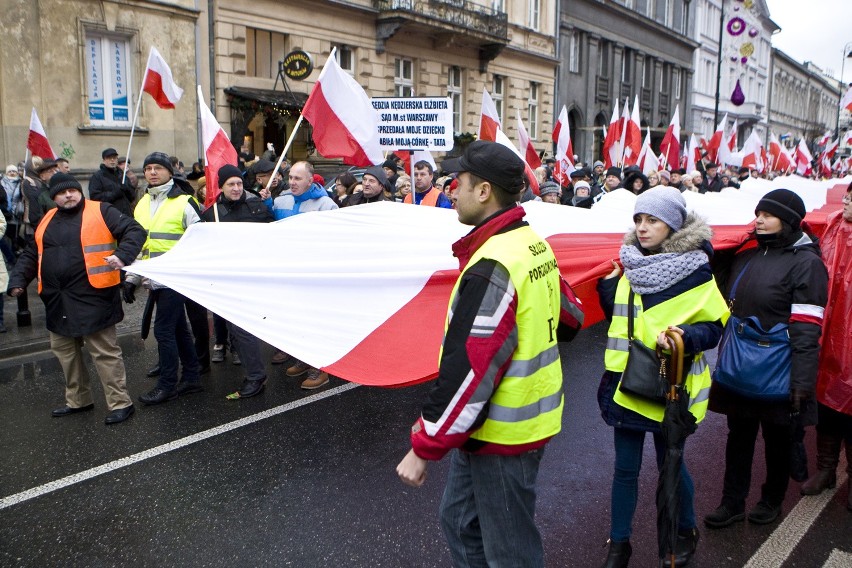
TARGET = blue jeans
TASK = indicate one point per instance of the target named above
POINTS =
(174, 342)
(488, 510)
(625, 484)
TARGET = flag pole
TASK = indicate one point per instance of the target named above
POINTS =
(135, 117)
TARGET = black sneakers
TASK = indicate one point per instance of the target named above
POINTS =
(722, 517)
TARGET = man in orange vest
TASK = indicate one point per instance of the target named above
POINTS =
(77, 255)
(424, 192)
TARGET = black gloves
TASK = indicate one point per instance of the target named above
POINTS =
(128, 292)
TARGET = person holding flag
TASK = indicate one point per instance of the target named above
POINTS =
(496, 364)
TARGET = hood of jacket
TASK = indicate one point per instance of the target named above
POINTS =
(694, 235)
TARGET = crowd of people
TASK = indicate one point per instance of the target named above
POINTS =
(500, 375)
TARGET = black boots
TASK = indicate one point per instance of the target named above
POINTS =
(849, 471)
(828, 455)
(619, 554)
(685, 549)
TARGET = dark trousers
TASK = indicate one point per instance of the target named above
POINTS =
(220, 330)
(174, 342)
(248, 348)
(197, 315)
(739, 455)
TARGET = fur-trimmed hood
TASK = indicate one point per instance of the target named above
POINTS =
(694, 235)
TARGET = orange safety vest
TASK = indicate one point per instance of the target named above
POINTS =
(97, 242)
(431, 197)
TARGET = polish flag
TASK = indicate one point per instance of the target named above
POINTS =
(670, 146)
(419, 155)
(622, 133)
(847, 138)
(831, 148)
(693, 154)
(780, 159)
(803, 159)
(712, 146)
(564, 148)
(846, 101)
(632, 135)
(159, 82)
(218, 150)
(823, 140)
(528, 171)
(37, 142)
(345, 123)
(732, 139)
(647, 161)
(489, 120)
(751, 152)
(611, 148)
(526, 145)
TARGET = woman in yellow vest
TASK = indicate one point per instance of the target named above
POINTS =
(666, 265)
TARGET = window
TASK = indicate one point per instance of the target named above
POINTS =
(664, 79)
(627, 55)
(454, 91)
(574, 52)
(498, 88)
(345, 58)
(498, 5)
(107, 66)
(403, 78)
(535, 10)
(647, 72)
(532, 111)
(603, 59)
(263, 51)
(676, 81)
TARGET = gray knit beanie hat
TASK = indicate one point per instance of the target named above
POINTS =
(665, 203)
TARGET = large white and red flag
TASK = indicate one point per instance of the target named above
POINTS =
(345, 123)
(751, 153)
(218, 150)
(846, 101)
(529, 173)
(489, 119)
(831, 148)
(823, 140)
(611, 148)
(159, 82)
(670, 146)
(780, 160)
(632, 135)
(394, 337)
(803, 159)
(564, 148)
(37, 142)
(525, 144)
(712, 145)
(693, 154)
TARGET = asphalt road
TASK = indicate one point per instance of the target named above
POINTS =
(291, 478)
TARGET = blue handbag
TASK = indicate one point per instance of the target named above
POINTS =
(754, 362)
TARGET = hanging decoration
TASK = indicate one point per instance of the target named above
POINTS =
(739, 43)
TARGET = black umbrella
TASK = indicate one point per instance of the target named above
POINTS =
(678, 423)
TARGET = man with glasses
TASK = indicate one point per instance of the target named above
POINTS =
(106, 184)
(263, 172)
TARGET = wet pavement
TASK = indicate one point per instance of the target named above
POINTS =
(296, 478)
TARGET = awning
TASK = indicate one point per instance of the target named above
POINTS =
(283, 99)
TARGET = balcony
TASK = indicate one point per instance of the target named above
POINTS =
(482, 26)
(664, 104)
(602, 89)
(624, 91)
(750, 112)
(645, 99)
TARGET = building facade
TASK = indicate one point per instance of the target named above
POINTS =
(400, 48)
(803, 101)
(746, 32)
(623, 50)
(79, 64)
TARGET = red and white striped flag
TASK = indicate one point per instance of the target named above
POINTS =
(712, 146)
(632, 135)
(670, 146)
(846, 101)
(345, 123)
(752, 152)
(693, 154)
(780, 160)
(803, 159)
(564, 148)
(37, 142)
(527, 149)
(823, 140)
(489, 120)
(218, 150)
(732, 138)
(159, 82)
(647, 161)
(611, 148)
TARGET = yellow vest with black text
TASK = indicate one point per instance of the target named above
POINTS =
(527, 405)
(166, 227)
(703, 303)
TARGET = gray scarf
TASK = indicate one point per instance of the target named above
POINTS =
(656, 272)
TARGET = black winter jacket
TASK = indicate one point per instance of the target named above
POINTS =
(105, 185)
(74, 307)
(247, 209)
(778, 275)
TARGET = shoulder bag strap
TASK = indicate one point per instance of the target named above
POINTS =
(630, 311)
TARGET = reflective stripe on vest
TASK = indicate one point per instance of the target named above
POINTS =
(431, 197)
(166, 228)
(702, 303)
(96, 241)
(527, 404)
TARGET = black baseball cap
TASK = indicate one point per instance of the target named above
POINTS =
(492, 162)
(109, 152)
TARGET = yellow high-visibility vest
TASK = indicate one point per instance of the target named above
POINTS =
(166, 227)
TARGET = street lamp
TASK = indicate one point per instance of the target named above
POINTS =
(847, 53)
